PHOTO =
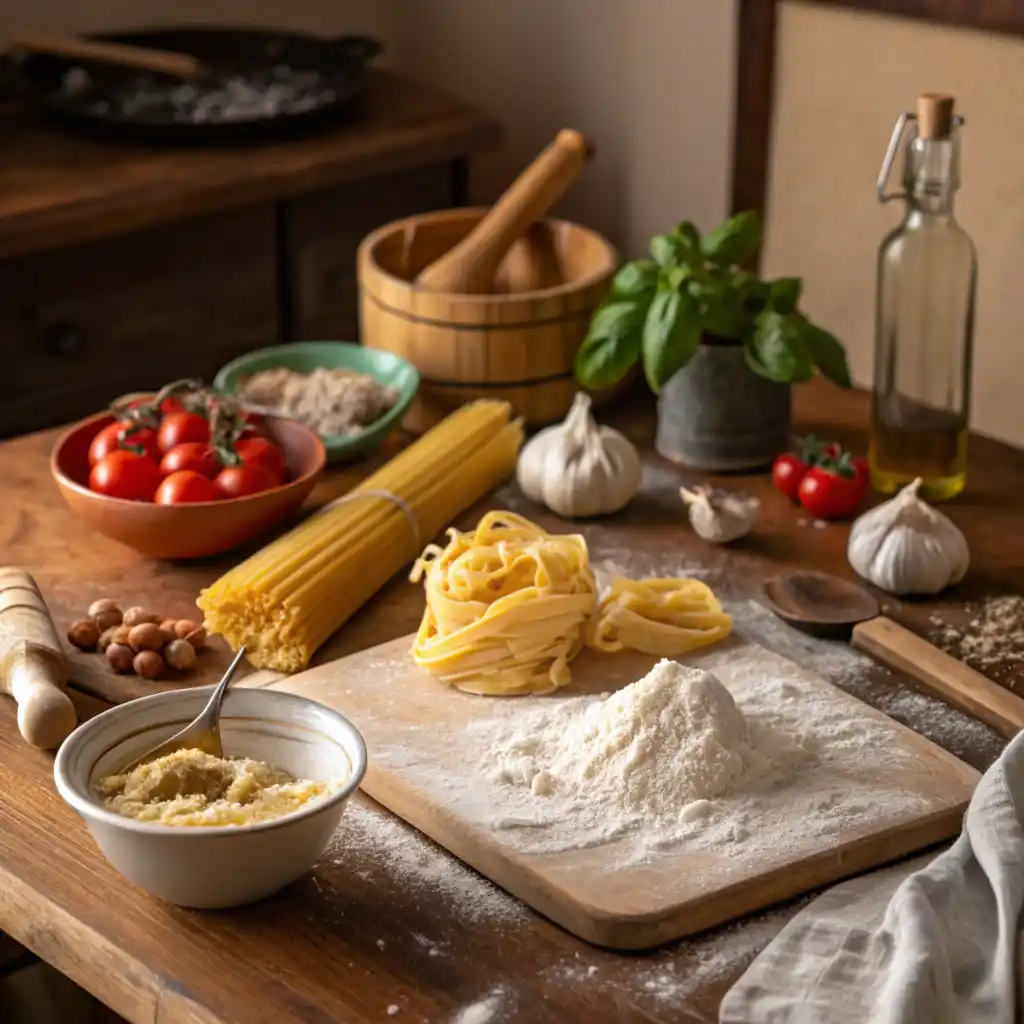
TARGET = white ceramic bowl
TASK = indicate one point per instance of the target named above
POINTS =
(222, 866)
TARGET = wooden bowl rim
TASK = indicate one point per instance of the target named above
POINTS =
(368, 246)
(310, 476)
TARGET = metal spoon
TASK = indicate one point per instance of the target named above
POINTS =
(203, 733)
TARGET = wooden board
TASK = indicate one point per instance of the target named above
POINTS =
(910, 793)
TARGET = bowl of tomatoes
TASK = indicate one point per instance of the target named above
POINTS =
(184, 473)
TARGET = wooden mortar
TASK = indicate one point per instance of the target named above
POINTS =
(517, 347)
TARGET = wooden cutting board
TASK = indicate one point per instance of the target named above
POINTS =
(905, 795)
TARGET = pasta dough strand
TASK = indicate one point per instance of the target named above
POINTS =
(508, 606)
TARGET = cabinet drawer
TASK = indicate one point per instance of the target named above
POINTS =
(81, 325)
(325, 229)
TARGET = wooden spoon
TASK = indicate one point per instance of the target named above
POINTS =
(179, 65)
(825, 605)
(469, 268)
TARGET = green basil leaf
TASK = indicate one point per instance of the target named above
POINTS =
(668, 251)
(784, 294)
(612, 344)
(827, 354)
(734, 241)
(635, 280)
(688, 235)
(722, 313)
(778, 348)
(670, 338)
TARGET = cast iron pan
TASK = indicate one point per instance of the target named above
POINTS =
(320, 76)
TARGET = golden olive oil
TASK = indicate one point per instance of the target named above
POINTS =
(927, 273)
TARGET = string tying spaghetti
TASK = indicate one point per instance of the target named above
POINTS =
(401, 503)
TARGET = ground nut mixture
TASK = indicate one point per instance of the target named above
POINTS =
(332, 402)
(190, 787)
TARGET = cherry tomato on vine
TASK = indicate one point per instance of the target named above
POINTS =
(860, 467)
(167, 406)
(180, 427)
(123, 434)
(196, 456)
(787, 472)
(829, 494)
(184, 487)
(265, 454)
(124, 474)
(241, 481)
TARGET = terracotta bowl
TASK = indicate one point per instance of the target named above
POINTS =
(194, 530)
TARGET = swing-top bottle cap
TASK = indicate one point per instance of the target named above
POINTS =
(934, 115)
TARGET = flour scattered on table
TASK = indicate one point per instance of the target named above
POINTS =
(392, 1010)
(483, 1011)
(373, 844)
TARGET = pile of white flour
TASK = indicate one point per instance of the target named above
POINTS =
(659, 750)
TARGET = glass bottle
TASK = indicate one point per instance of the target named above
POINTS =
(927, 269)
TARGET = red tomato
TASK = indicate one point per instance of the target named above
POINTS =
(829, 495)
(180, 427)
(110, 438)
(239, 481)
(261, 452)
(860, 467)
(123, 474)
(787, 472)
(184, 487)
(192, 455)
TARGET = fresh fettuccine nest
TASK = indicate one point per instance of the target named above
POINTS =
(508, 606)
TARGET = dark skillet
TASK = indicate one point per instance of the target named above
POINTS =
(337, 67)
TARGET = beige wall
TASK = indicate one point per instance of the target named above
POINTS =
(650, 80)
(842, 78)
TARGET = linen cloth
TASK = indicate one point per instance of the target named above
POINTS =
(932, 941)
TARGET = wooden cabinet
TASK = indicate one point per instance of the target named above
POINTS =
(123, 267)
(325, 229)
(81, 325)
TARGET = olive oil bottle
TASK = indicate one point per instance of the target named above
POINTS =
(927, 271)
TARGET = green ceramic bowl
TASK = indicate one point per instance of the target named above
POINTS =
(306, 356)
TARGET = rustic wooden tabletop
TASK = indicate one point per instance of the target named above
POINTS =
(390, 926)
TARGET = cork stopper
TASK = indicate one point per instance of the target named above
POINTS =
(934, 115)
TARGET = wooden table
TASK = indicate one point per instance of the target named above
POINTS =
(397, 930)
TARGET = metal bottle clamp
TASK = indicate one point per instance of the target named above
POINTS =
(890, 154)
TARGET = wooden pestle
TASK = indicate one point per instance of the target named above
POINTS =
(531, 263)
(33, 669)
(469, 268)
(94, 51)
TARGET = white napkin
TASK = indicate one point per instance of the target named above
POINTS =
(931, 941)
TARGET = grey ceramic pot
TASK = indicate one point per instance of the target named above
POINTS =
(716, 414)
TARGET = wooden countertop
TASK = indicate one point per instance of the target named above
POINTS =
(388, 920)
(60, 187)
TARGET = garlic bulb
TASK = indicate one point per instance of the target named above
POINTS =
(719, 516)
(905, 546)
(578, 468)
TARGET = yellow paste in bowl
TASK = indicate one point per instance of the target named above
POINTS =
(189, 787)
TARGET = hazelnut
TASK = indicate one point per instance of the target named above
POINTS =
(168, 626)
(120, 657)
(197, 637)
(183, 627)
(83, 634)
(180, 654)
(104, 606)
(113, 635)
(147, 636)
(148, 664)
(108, 619)
(137, 616)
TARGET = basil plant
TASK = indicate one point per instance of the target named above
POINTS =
(659, 308)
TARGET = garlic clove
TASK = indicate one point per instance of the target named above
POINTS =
(904, 546)
(719, 516)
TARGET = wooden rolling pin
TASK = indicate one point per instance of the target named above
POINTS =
(33, 669)
(470, 267)
(180, 65)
